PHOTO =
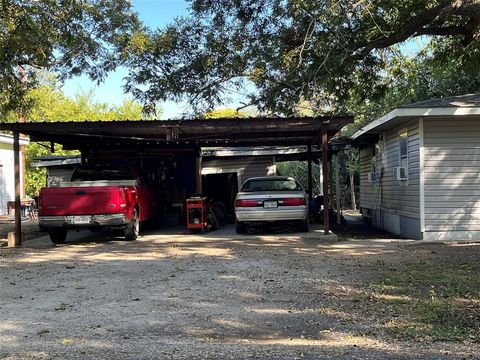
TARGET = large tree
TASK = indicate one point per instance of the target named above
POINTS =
(283, 52)
(69, 37)
(50, 104)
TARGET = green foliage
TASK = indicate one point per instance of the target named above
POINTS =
(52, 105)
(283, 53)
(299, 171)
(225, 113)
(66, 36)
(416, 79)
(352, 163)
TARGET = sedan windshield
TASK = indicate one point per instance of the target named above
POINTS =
(271, 185)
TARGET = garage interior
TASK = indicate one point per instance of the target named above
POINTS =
(169, 151)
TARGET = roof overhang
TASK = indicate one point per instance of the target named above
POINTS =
(51, 161)
(8, 139)
(172, 134)
(402, 115)
(256, 151)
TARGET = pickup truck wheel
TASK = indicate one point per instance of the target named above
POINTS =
(57, 235)
(133, 227)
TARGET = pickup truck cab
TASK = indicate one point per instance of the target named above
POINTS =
(97, 198)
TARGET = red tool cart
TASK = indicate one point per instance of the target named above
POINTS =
(200, 215)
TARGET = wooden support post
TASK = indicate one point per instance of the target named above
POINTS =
(198, 173)
(326, 222)
(21, 119)
(23, 173)
(337, 187)
(320, 177)
(310, 181)
(18, 206)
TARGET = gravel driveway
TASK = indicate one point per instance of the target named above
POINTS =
(213, 296)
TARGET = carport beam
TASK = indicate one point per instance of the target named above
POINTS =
(18, 208)
(326, 222)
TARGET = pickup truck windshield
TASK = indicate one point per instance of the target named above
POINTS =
(271, 185)
(82, 174)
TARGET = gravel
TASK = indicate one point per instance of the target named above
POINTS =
(171, 295)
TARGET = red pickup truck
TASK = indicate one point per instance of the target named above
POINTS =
(97, 198)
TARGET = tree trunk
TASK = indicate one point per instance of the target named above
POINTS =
(352, 190)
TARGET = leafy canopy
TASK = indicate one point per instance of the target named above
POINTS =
(69, 37)
(52, 105)
(284, 52)
(225, 113)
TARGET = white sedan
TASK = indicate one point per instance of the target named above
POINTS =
(270, 199)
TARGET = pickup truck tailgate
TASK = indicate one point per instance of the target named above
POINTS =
(81, 200)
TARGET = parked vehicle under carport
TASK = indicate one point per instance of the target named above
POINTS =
(97, 198)
(271, 199)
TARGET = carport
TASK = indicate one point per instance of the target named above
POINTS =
(140, 139)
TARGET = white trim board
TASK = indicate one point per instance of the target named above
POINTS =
(422, 176)
(8, 139)
(416, 112)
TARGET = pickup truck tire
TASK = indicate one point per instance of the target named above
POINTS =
(57, 235)
(133, 227)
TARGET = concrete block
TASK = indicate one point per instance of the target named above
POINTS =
(11, 240)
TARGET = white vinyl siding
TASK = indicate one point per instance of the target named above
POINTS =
(452, 174)
(7, 185)
(369, 193)
(245, 167)
(55, 175)
(388, 194)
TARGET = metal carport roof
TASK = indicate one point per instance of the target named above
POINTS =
(191, 133)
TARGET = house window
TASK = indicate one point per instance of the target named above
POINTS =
(402, 172)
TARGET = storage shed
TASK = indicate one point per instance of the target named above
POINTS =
(420, 169)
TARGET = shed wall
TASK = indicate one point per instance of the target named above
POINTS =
(245, 167)
(7, 185)
(392, 204)
(452, 176)
(55, 175)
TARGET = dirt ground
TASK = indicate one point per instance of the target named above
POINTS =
(213, 296)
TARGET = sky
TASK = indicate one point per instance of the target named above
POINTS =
(157, 14)
(154, 14)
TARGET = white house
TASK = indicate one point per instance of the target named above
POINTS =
(7, 186)
(420, 169)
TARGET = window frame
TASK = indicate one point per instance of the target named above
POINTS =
(403, 160)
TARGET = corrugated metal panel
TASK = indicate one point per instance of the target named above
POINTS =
(452, 174)
(245, 167)
(390, 195)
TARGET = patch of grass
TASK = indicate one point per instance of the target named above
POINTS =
(429, 301)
